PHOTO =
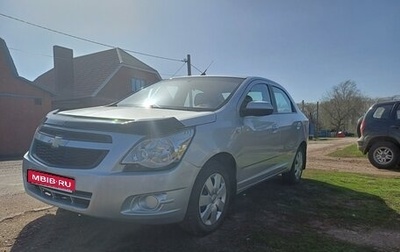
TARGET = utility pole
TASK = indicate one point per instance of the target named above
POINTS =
(317, 122)
(189, 65)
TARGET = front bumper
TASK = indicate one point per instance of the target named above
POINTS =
(154, 197)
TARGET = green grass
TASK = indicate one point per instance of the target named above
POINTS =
(333, 200)
(377, 197)
(325, 200)
(350, 151)
(306, 241)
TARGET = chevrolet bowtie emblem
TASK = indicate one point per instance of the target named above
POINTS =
(56, 142)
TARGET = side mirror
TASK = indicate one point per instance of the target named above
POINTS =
(257, 108)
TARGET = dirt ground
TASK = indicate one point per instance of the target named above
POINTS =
(29, 225)
(318, 159)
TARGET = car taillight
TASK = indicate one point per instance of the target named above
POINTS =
(362, 127)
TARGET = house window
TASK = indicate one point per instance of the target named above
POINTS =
(137, 84)
(38, 101)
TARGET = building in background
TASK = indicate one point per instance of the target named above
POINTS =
(22, 107)
(94, 79)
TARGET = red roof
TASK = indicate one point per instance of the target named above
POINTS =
(93, 71)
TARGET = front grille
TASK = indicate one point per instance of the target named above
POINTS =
(76, 136)
(67, 157)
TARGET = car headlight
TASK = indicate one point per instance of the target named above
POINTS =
(158, 153)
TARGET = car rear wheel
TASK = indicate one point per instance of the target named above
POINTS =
(384, 155)
(299, 163)
(209, 200)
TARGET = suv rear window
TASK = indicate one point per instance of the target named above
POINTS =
(382, 112)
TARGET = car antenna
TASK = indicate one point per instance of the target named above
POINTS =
(204, 72)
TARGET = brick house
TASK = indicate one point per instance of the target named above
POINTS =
(94, 79)
(22, 107)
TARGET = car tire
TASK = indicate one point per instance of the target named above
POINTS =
(384, 155)
(209, 201)
(299, 164)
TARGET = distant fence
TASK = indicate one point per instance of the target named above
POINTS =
(320, 133)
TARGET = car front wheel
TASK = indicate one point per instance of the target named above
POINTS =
(209, 201)
(384, 155)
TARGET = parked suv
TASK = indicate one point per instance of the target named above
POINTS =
(176, 151)
(380, 134)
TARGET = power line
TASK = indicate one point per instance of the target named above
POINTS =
(99, 43)
(88, 40)
(52, 56)
(178, 70)
(196, 68)
(22, 51)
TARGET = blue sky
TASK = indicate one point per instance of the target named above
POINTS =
(308, 46)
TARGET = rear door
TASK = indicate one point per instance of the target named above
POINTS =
(290, 125)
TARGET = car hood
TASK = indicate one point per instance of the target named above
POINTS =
(189, 118)
(124, 115)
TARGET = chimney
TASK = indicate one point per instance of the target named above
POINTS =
(63, 71)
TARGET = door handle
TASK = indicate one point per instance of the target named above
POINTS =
(274, 128)
(298, 125)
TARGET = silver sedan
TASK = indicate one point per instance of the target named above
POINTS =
(174, 152)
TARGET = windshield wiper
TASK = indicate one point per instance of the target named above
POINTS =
(155, 106)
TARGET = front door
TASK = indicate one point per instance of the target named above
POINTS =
(259, 142)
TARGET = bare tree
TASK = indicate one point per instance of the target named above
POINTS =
(343, 105)
(310, 110)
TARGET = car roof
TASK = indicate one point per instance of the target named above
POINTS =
(386, 103)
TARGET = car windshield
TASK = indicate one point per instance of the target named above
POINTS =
(193, 93)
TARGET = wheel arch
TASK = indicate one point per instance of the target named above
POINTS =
(380, 139)
(228, 161)
(303, 144)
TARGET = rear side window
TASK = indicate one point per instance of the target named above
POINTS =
(283, 103)
(382, 112)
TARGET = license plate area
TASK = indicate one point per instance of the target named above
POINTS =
(51, 181)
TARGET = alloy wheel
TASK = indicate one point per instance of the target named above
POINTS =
(383, 155)
(212, 199)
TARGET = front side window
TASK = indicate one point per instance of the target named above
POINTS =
(282, 101)
(259, 92)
